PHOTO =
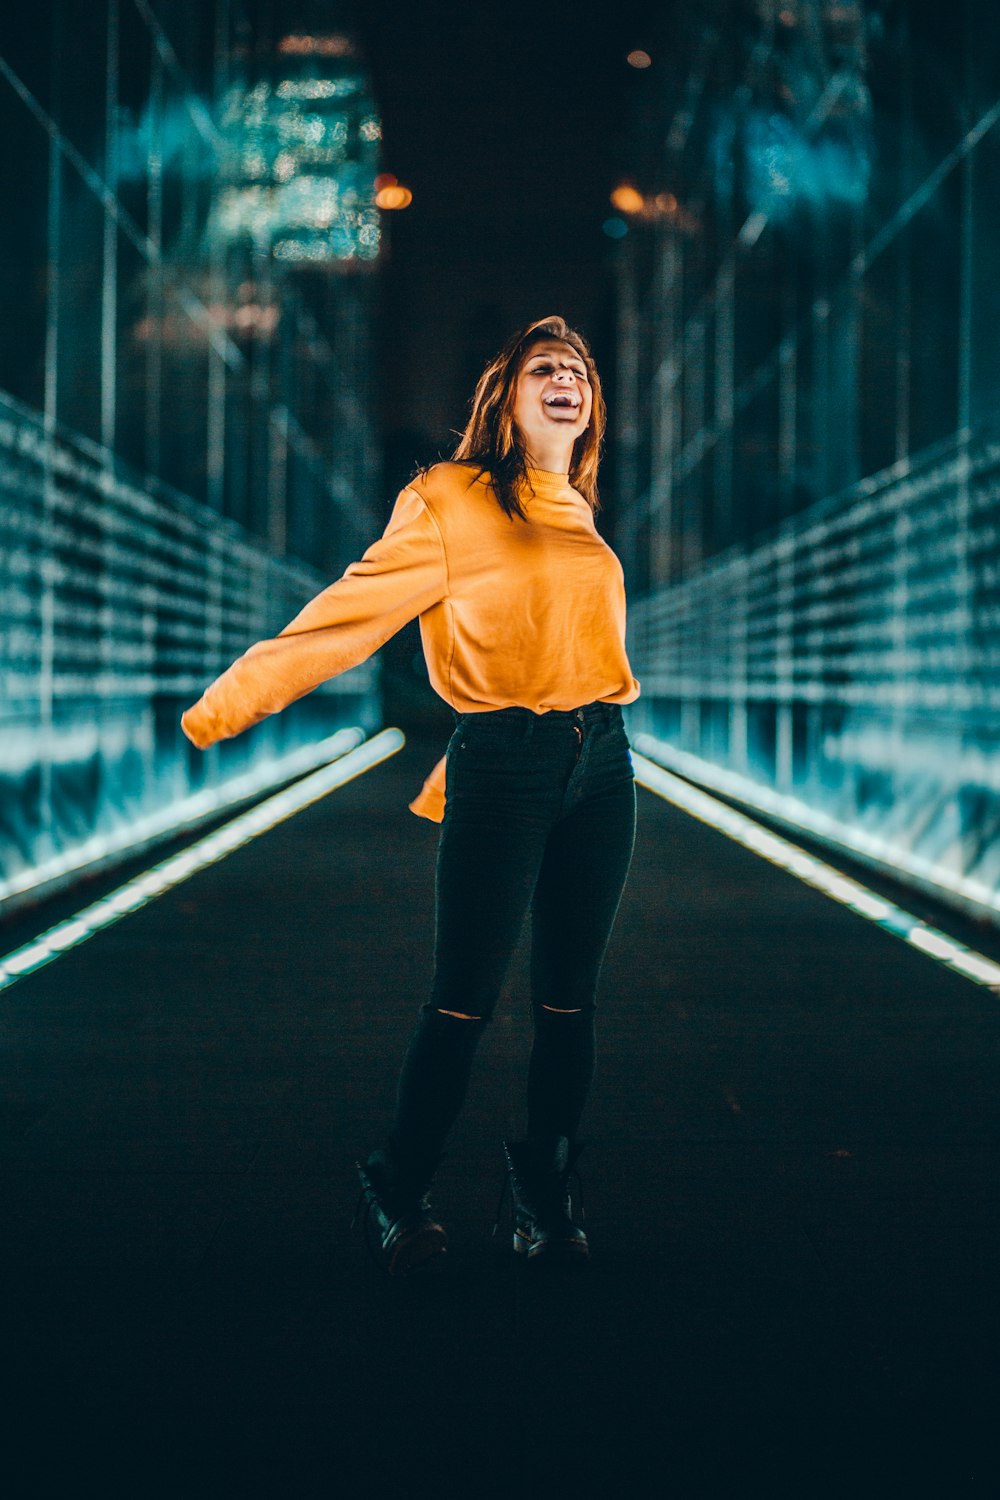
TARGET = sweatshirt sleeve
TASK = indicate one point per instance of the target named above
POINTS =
(400, 576)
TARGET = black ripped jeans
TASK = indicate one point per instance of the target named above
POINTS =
(540, 814)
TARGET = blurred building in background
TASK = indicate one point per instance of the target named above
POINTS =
(186, 411)
(809, 379)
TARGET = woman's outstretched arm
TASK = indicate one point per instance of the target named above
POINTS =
(400, 576)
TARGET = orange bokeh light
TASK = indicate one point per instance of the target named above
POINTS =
(393, 195)
(639, 59)
(298, 45)
(627, 199)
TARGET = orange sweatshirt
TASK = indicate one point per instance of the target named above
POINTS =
(513, 613)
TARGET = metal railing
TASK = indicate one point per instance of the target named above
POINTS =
(842, 674)
(119, 601)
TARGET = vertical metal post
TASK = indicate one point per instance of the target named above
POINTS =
(904, 290)
(739, 729)
(725, 387)
(964, 582)
(665, 424)
(155, 302)
(107, 636)
(46, 664)
(215, 436)
(277, 509)
(109, 281)
(820, 434)
(784, 606)
(628, 396)
(787, 410)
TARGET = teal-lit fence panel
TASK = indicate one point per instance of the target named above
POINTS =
(845, 674)
(187, 435)
(118, 603)
(808, 440)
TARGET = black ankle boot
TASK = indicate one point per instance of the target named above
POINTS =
(397, 1200)
(539, 1182)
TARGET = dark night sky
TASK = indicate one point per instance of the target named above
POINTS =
(507, 122)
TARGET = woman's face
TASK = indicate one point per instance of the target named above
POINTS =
(553, 400)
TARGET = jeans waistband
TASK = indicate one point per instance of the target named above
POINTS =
(587, 713)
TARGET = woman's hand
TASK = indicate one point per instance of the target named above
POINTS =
(200, 726)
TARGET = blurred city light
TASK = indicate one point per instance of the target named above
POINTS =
(316, 46)
(639, 59)
(393, 195)
(300, 158)
(627, 199)
(615, 229)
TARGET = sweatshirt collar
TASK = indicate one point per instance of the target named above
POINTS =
(545, 482)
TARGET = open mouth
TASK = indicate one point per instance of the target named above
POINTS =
(564, 400)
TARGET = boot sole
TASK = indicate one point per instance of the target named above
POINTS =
(559, 1255)
(414, 1250)
(408, 1249)
(569, 1253)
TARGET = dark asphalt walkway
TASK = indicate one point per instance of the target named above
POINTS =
(790, 1185)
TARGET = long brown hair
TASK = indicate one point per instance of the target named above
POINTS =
(491, 438)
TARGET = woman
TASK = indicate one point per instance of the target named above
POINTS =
(522, 618)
